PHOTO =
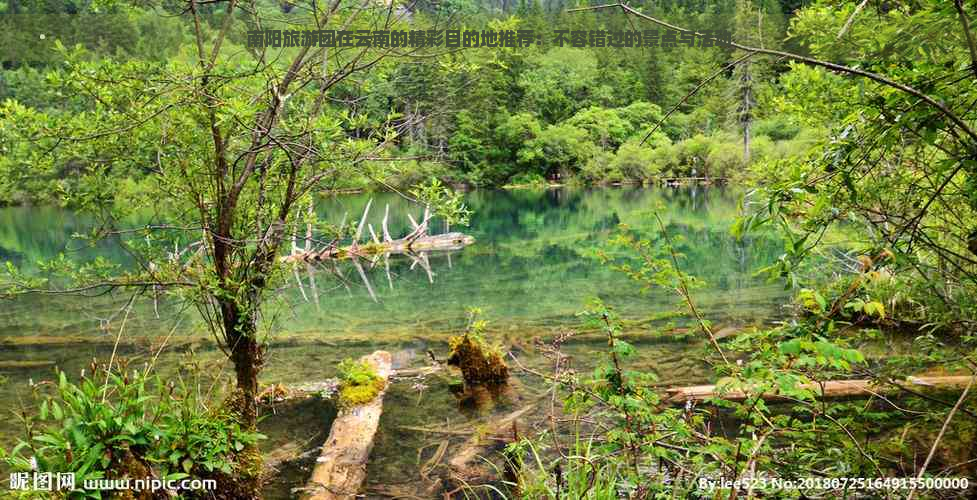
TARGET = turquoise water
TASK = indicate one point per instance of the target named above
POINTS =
(531, 270)
(532, 264)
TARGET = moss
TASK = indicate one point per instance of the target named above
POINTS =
(479, 363)
(372, 248)
(353, 395)
(358, 383)
(125, 464)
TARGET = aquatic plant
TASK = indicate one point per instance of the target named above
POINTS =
(534, 475)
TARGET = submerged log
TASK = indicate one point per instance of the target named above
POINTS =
(24, 365)
(465, 464)
(341, 468)
(828, 389)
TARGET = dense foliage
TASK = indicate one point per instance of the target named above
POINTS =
(115, 423)
(879, 245)
(482, 116)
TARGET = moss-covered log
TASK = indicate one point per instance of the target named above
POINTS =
(341, 468)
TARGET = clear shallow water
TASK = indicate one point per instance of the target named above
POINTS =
(530, 271)
(531, 264)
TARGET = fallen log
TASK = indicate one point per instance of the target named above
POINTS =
(341, 467)
(417, 372)
(24, 365)
(418, 240)
(828, 389)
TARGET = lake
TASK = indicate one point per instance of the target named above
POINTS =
(531, 270)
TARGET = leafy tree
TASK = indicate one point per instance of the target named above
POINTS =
(559, 150)
(557, 83)
(235, 143)
(605, 127)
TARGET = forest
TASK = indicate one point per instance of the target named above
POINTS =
(540, 249)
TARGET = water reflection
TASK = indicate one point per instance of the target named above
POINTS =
(532, 263)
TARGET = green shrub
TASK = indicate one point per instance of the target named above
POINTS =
(777, 127)
(665, 159)
(599, 170)
(532, 179)
(724, 159)
(641, 114)
(413, 172)
(605, 127)
(635, 162)
(517, 130)
(558, 149)
(120, 424)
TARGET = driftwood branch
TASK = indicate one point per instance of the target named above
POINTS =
(359, 229)
(417, 241)
(386, 232)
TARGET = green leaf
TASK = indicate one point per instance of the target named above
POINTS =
(875, 308)
(791, 347)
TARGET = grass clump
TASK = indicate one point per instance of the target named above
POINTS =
(358, 383)
(479, 362)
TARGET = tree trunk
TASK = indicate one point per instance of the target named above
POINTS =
(247, 354)
(746, 110)
(746, 143)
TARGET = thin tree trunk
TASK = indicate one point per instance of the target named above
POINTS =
(746, 143)
(746, 112)
(247, 355)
